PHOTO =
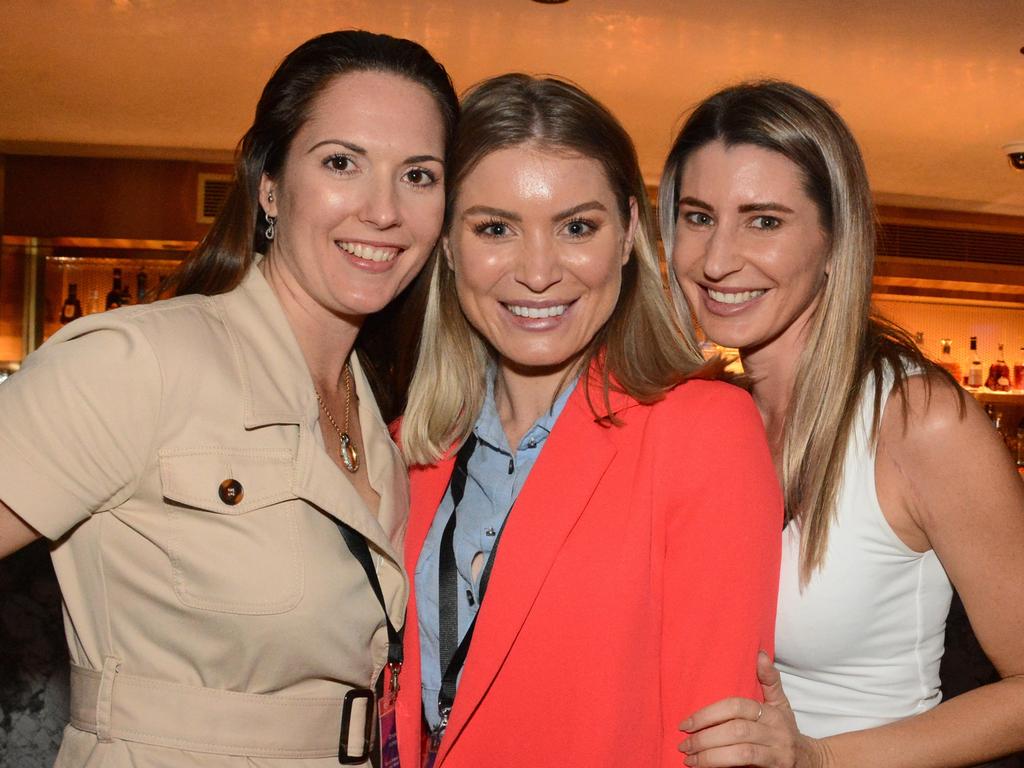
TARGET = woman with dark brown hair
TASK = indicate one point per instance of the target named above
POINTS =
(229, 564)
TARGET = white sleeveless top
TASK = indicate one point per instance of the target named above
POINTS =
(861, 645)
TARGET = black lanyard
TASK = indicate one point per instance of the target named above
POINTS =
(452, 651)
(361, 551)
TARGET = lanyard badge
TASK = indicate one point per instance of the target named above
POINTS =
(386, 719)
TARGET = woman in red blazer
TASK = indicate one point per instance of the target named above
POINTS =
(635, 576)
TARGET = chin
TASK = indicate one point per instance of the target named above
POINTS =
(541, 363)
(733, 338)
(364, 304)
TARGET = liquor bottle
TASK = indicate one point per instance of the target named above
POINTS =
(975, 372)
(141, 284)
(998, 374)
(126, 292)
(1018, 371)
(1020, 445)
(946, 360)
(115, 294)
(72, 309)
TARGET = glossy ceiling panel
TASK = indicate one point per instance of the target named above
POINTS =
(932, 88)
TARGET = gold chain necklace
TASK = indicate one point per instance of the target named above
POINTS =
(347, 450)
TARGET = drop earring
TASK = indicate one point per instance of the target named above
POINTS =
(271, 221)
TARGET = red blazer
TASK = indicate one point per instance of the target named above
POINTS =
(635, 582)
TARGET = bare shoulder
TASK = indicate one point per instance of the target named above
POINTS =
(932, 421)
(960, 486)
(947, 464)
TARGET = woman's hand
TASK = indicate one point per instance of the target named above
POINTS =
(739, 732)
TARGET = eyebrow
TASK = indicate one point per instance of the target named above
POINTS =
(769, 206)
(748, 208)
(347, 144)
(489, 211)
(412, 160)
(695, 203)
(591, 205)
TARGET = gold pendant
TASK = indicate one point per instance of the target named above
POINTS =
(349, 454)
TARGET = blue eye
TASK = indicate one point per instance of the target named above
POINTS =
(580, 227)
(699, 218)
(767, 222)
(493, 228)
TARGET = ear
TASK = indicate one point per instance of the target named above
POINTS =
(267, 187)
(634, 218)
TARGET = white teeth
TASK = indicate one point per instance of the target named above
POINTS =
(537, 312)
(368, 252)
(734, 298)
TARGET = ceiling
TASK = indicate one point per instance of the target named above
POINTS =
(931, 88)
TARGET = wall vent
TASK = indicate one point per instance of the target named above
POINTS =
(914, 242)
(213, 192)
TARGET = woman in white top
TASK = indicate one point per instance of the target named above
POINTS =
(895, 483)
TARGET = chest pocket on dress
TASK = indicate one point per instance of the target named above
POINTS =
(235, 546)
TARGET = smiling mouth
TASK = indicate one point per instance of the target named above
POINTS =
(739, 297)
(369, 252)
(535, 313)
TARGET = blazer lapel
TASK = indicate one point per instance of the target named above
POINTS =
(570, 466)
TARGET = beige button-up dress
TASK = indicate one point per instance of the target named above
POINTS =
(203, 631)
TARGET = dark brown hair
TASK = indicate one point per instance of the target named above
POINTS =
(222, 259)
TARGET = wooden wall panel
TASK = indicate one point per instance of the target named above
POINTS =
(102, 197)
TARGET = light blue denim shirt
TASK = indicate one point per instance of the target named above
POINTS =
(495, 477)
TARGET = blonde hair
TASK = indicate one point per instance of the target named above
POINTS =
(641, 350)
(845, 341)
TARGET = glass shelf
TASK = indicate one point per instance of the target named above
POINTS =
(35, 274)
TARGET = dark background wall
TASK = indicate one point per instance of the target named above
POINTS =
(33, 660)
(101, 197)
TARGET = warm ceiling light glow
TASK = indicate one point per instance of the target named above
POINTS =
(551, 2)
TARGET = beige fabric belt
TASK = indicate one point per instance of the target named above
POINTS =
(117, 706)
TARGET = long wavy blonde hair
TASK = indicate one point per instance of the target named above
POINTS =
(642, 349)
(845, 341)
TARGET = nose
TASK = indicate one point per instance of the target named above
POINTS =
(538, 265)
(721, 254)
(380, 208)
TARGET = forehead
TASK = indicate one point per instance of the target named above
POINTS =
(742, 171)
(377, 109)
(532, 173)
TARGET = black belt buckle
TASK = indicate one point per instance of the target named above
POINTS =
(346, 720)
